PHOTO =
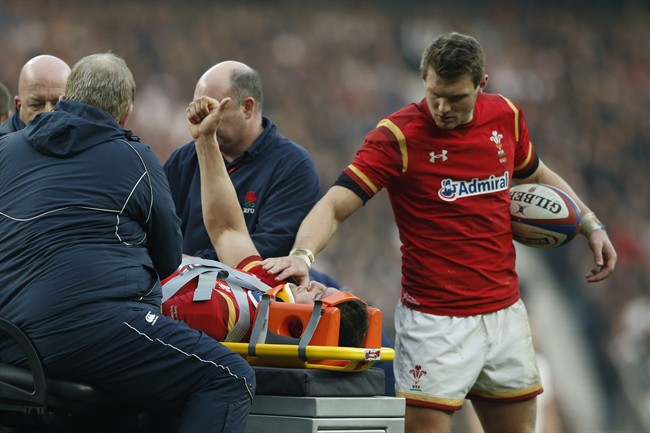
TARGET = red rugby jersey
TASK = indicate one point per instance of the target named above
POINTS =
(216, 316)
(449, 194)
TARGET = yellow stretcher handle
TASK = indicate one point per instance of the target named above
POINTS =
(318, 357)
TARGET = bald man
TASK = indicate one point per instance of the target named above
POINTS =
(40, 85)
(275, 179)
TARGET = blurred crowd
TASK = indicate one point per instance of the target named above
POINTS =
(332, 69)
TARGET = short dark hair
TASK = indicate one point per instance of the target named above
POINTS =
(452, 55)
(353, 323)
(245, 83)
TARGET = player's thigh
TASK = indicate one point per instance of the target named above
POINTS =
(438, 358)
(510, 372)
(507, 416)
(152, 360)
(426, 420)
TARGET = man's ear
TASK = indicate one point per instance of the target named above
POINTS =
(249, 107)
(123, 120)
(61, 98)
(17, 103)
(483, 83)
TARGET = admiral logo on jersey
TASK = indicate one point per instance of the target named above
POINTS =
(454, 189)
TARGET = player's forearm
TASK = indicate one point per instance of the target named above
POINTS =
(323, 220)
(543, 174)
(316, 229)
(221, 211)
(547, 176)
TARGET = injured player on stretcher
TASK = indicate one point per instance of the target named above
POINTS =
(213, 297)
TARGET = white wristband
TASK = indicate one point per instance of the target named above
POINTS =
(590, 222)
(304, 254)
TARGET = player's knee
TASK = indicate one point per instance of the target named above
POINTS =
(243, 374)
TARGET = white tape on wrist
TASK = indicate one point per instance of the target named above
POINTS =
(304, 254)
(590, 222)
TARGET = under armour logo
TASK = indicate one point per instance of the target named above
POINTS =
(435, 156)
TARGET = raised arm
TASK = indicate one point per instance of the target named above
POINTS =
(222, 215)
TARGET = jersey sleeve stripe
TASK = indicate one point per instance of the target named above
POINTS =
(232, 313)
(401, 140)
(527, 161)
(347, 179)
(249, 263)
(516, 111)
(363, 178)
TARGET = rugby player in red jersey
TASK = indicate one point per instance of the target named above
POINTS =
(447, 162)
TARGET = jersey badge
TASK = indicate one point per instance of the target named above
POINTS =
(496, 138)
(417, 373)
(223, 286)
(249, 202)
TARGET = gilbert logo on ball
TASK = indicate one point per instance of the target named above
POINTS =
(543, 216)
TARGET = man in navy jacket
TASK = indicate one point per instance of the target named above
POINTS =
(275, 179)
(87, 230)
(40, 84)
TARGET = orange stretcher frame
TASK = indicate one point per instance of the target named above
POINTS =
(306, 336)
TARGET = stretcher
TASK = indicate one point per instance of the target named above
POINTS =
(306, 336)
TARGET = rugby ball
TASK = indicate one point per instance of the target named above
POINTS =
(543, 216)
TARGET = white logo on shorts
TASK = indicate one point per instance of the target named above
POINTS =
(151, 318)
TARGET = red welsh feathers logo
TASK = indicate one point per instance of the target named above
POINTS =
(417, 374)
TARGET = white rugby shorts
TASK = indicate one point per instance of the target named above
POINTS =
(442, 360)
